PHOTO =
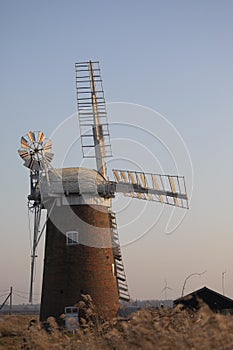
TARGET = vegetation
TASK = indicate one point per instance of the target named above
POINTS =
(148, 329)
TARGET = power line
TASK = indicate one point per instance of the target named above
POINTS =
(17, 293)
(9, 296)
(3, 295)
(23, 292)
(24, 297)
(20, 296)
(20, 291)
(4, 301)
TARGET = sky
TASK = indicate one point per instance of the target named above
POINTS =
(172, 59)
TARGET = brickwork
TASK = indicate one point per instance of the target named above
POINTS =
(70, 270)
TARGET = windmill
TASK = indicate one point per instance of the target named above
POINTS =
(82, 249)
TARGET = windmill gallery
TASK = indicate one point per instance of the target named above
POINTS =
(82, 250)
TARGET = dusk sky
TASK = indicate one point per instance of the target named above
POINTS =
(168, 76)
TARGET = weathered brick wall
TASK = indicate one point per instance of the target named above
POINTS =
(70, 270)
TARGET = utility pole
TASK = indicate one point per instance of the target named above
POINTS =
(223, 289)
(11, 297)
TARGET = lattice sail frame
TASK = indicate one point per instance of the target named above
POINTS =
(92, 114)
(167, 189)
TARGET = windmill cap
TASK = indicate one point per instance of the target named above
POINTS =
(72, 181)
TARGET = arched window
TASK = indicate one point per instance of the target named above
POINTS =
(71, 237)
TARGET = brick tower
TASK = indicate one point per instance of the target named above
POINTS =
(78, 248)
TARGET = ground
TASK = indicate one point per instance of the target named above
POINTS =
(148, 329)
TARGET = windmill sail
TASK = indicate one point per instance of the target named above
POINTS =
(118, 263)
(166, 189)
(92, 114)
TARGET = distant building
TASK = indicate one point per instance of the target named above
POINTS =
(217, 302)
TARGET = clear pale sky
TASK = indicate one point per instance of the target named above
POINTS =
(174, 57)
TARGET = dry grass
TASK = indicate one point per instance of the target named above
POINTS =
(148, 330)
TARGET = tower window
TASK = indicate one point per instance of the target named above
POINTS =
(71, 237)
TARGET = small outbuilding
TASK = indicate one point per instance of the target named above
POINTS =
(217, 302)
